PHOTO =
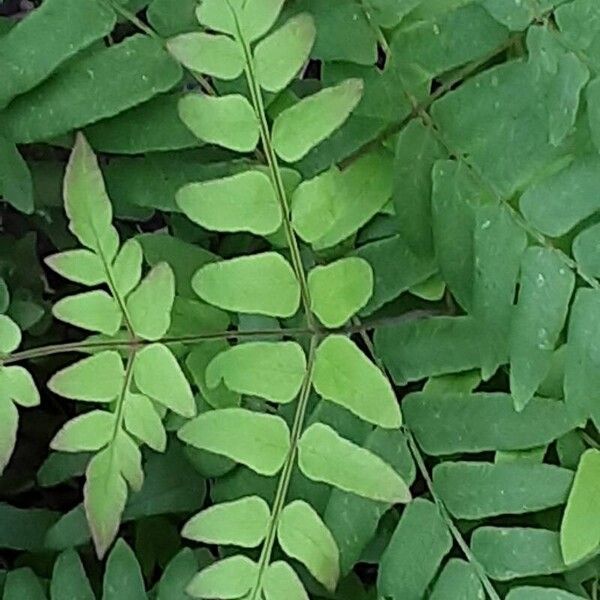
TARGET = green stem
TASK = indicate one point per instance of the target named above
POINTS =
(274, 170)
(90, 346)
(456, 534)
(120, 407)
(515, 214)
(286, 474)
(134, 20)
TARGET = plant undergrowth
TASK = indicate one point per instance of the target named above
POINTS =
(300, 299)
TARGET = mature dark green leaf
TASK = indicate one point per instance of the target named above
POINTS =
(414, 553)
(420, 348)
(144, 68)
(29, 54)
(458, 579)
(128, 131)
(69, 581)
(546, 286)
(16, 186)
(445, 423)
(473, 490)
(123, 576)
(581, 373)
(511, 552)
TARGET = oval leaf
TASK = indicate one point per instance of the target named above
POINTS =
(225, 579)
(256, 440)
(10, 335)
(303, 536)
(281, 581)
(241, 522)
(580, 528)
(325, 456)
(279, 57)
(340, 289)
(214, 55)
(94, 311)
(86, 433)
(149, 306)
(271, 370)
(300, 128)
(158, 375)
(344, 375)
(98, 378)
(246, 285)
(228, 121)
(242, 202)
(81, 266)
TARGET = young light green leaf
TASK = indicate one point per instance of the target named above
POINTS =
(158, 375)
(94, 311)
(225, 579)
(149, 306)
(246, 285)
(257, 440)
(214, 55)
(344, 375)
(17, 384)
(300, 128)
(9, 422)
(282, 583)
(271, 370)
(142, 420)
(241, 522)
(303, 536)
(86, 433)
(129, 460)
(81, 266)
(197, 361)
(127, 268)
(105, 494)
(255, 17)
(228, 121)
(580, 528)
(69, 581)
(325, 456)
(279, 57)
(10, 335)
(545, 291)
(98, 378)
(123, 576)
(329, 208)
(86, 202)
(242, 202)
(340, 289)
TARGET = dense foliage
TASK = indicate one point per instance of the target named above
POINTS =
(300, 299)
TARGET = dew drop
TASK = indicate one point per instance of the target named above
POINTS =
(540, 280)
